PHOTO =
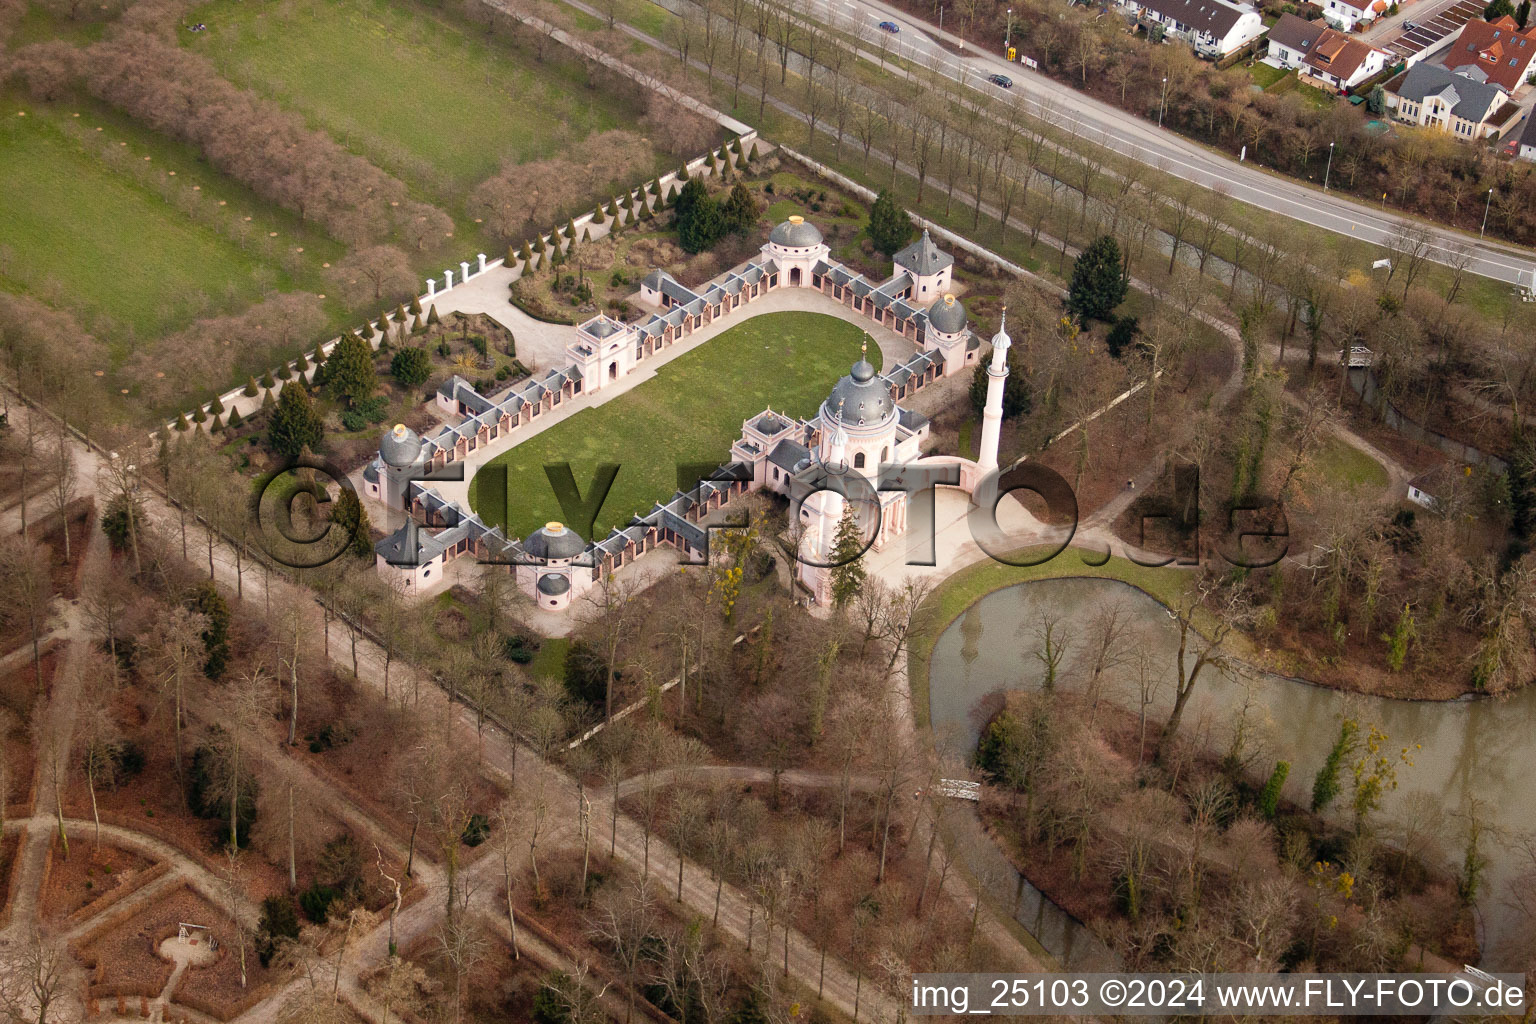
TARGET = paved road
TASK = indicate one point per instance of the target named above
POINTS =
(1143, 141)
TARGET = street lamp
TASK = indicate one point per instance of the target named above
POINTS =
(1330, 167)
(1008, 35)
(1486, 207)
(1162, 103)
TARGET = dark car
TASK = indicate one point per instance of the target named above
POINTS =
(1001, 80)
(890, 26)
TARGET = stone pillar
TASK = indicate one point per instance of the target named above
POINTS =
(482, 262)
(465, 268)
(431, 287)
(447, 280)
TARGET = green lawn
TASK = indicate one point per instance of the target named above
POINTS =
(1264, 75)
(99, 241)
(1342, 465)
(439, 104)
(690, 412)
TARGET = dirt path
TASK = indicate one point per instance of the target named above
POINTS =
(55, 725)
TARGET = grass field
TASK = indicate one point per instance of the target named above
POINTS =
(1343, 465)
(435, 103)
(100, 241)
(690, 412)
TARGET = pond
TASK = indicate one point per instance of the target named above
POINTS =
(1479, 750)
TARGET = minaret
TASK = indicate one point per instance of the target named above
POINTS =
(831, 501)
(992, 415)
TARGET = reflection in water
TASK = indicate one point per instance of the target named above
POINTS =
(970, 632)
(1471, 749)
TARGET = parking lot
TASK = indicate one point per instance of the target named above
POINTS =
(1432, 30)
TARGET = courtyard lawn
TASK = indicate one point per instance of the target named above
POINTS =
(137, 259)
(439, 104)
(690, 411)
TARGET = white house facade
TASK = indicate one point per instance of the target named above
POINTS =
(1213, 28)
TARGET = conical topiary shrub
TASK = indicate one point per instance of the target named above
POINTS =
(432, 319)
(303, 364)
(181, 422)
(597, 215)
(216, 406)
(682, 173)
(235, 419)
(199, 416)
(267, 381)
(283, 373)
(250, 390)
(415, 305)
(217, 426)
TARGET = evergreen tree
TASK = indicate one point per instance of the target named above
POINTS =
(268, 403)
(368, 332)
(511, 258)
(671, 199)
(740, 209)
(655, 188)
(1269, 798)
(527, 256)
(1498, 9)
(217, 426)
(1098, 281)
(1523, 13)
(682, 173)
(586, 234)
(411, 366)
(848, 577)
(349, 373)
(303, 364)
(206, 600)
(1326, 786)
(283, 373)
(1121, 335)
(216, 406)
(400, 317)
(417, 326)
(570, 228)
(889, 226)
(415, 306)
(235, 419)
(350, 515)
(1017, 396)
(267, 381)
(181, 422)
(250, 390)
(597, 215)
(432, 318)
(199, 416)
(699, 221)
(294, 424)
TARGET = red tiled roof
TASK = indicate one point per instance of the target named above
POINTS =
(1498, 48)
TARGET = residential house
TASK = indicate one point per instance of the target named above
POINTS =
(1527, 150)
(1449, 101)
(1325, 56)
(1214, 28)
(1347, 15)
(1498, 48)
